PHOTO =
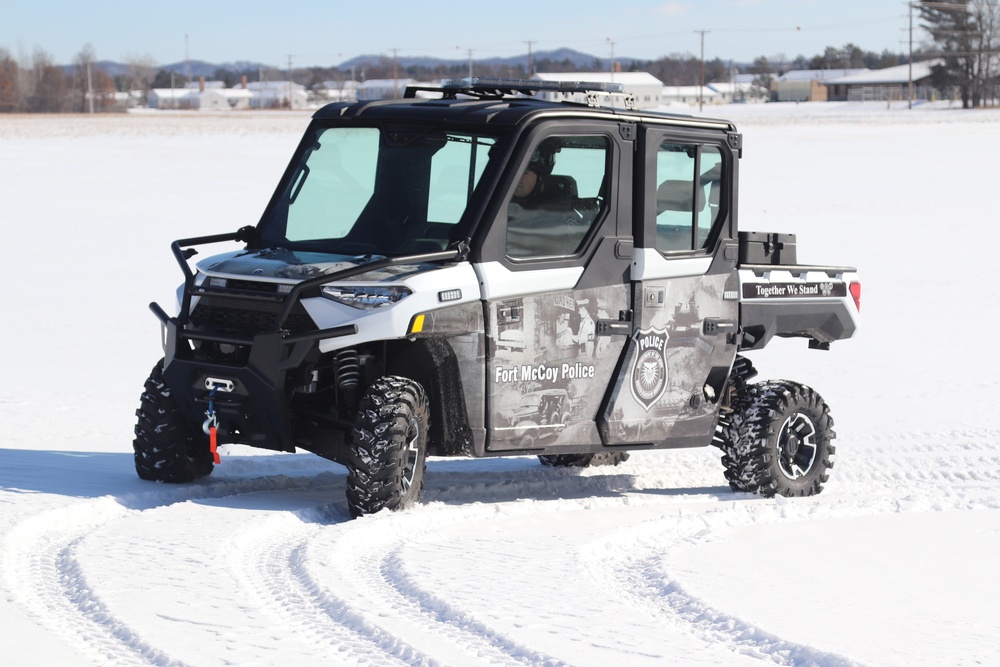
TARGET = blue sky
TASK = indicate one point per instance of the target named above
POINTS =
(329, 32)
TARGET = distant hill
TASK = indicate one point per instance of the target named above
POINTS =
(110, 67)
(196, 68)
(579, 60)
(202, 68)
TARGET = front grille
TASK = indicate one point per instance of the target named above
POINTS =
(252, 285)
(237, 316)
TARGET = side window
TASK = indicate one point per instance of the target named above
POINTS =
(451, 182)
(688, 194)
(559, 196)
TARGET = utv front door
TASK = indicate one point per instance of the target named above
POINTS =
(556, 291)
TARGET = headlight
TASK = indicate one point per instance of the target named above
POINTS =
(366, 296)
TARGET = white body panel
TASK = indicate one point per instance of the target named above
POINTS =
(497, 281)
(649, 264)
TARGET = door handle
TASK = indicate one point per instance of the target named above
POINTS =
(714, 326)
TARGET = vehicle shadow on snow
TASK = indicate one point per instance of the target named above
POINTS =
(461, 482)
(67, 473)
(312, 487)
(92, 475)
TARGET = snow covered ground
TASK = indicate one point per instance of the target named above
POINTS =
(654, 562)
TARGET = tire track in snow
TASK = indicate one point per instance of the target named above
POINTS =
(367, 553)
(465, 629)
(51, 584)
(631, 565)
(40, 563)
(946, 463)
(931, 472)
(277, 561)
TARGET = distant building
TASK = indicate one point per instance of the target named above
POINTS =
(886, 84)
(277, 95)
(383, 89)
(806, 85)
(737, 90)
(646, 88)
(200, 94)
(689, 95)
(338, 91)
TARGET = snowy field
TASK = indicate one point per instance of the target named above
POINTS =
(654, 562)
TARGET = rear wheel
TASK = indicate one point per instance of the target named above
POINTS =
(389, 451)
(780, 442)
(166, 448)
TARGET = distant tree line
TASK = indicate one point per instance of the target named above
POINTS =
(964, 33)
(35, 84)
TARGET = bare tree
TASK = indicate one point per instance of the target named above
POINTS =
(141, 70)
(47, 84)
(8, 82)
(760, 88)
(966, 35)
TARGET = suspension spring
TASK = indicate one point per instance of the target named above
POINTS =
(348, 367)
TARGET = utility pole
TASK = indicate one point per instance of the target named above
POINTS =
(289, 82)
(395, 74)
(90, 89)
(470, 63)
(701, 90)
(530, 64)
(612, 43)
(909, 85)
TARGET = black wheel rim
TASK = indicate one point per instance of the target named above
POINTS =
(411, 455)
(797, 446)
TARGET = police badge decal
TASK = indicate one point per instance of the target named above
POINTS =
(649, 370)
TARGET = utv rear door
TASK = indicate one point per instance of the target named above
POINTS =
(684, 289)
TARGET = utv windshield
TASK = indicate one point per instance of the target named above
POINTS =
(378, 190)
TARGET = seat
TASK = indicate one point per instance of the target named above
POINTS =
(678, 196)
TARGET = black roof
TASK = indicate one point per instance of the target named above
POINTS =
(499, 111)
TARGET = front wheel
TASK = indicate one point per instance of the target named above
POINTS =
(389, 450)
(780, 441)
(166, 448)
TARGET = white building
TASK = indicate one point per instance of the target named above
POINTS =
(383, 89)
(645, 87)
(689, 95)
(201, 94)
(339, 91)
(172, 98)
(277, 95)
(738, 89)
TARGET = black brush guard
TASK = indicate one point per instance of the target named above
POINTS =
(254, 408)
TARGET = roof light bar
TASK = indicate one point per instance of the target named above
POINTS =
(528, 86)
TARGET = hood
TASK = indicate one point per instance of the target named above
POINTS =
(282, 264)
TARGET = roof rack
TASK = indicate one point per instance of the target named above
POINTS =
(492, 87)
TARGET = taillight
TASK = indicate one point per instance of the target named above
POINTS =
(856, 293)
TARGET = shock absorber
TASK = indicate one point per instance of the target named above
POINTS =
(348, 368)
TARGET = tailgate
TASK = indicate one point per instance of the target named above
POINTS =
(820, 303)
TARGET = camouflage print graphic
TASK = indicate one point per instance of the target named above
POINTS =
(548, 369)
(663, 394)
